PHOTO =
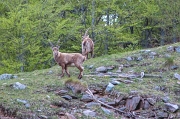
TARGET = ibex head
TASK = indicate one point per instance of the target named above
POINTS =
(55, 49)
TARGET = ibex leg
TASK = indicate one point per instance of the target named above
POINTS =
(63, 70)
(67, 72)
(81, 71)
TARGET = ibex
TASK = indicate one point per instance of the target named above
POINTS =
(87, 45)
(68, 59)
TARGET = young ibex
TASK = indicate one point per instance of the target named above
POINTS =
(68, 59)
(87, 45)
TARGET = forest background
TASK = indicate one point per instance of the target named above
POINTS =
(115, 26)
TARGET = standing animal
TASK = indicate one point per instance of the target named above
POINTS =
(68, 59)
(87, 45)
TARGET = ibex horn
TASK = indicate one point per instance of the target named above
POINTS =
(86, 32)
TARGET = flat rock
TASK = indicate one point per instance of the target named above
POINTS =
(102, 69)
(7, 76)
(171, 107)
(18, 85)
(89, 113)
(131, 104)
(86, 98)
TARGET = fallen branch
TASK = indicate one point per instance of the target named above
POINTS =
(91, 94)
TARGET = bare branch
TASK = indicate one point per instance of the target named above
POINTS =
(95, 99)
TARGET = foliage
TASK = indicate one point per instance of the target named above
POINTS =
(26, 26)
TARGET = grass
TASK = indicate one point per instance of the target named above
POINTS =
(41, 85)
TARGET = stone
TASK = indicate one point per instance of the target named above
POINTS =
(165, 99)
(151, 101)
(176, 75)
(171, 107)
(152, 53)
(61, 92)
(131, 104)
(139, 58)
(108, 112)
(177, 49)
(146, 105)
(89, 113)
(92, 104)
(174, 67)
(115, 82)
(86, 98)
(7, 76)
(22, 101)
(162, 115)
(129, 58)
(109, 88)
(102, 69)
(18, 85)
(91, 66)
(50, 72)
(67, 97)
(170, 49)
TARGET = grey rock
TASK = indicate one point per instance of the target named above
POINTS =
(157, 88)
(132, 103)
(133, 92)
(22, 101)
(102, 69)
(50, 72)
(152, 53)
(114, 82)
(174, 67)
(89, 113)
(129, 58)
(151, 101)
(170, 49)
(7, 76)
(109, 88)
(25, 102)
(67, 97)
(165, 99)
(177, 49)
(91, 66)
(139, 58)
(43, 117)
(122, 108)
(146, 105)
(128, 81)
(18, 85)
(27, 105)
(176, 75)
(108, 112)
(92, 104)
(171, 107)
(161, 114)
(86, 98)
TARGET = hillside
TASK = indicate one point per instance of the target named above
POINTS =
(139, 84)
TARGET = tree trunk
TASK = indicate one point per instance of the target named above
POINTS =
(107, 23)
(162, 36)
(93, 19)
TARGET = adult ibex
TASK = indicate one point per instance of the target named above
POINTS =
(68, 59)
(87, 45)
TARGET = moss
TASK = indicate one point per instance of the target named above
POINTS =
(76, 85)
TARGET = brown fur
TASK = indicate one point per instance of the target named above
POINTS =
(68, 59)
(87, 45)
